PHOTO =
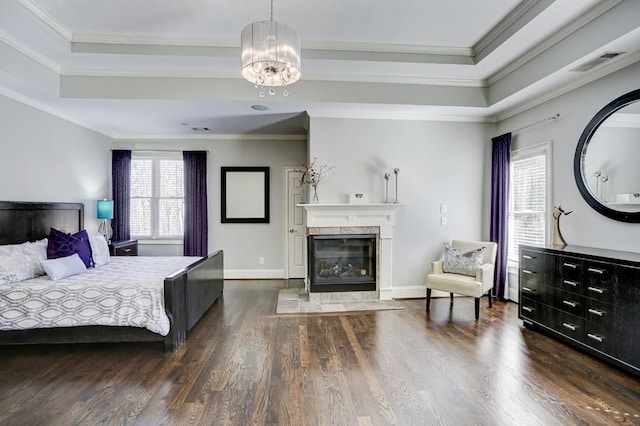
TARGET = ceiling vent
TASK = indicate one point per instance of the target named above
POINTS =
(200, 129)
(597, 61)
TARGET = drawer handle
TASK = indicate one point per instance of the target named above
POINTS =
(571, 283)
(127, 250)
(526, 271)
(594, 337)
(528, 309)
(570, 303)
(525, 256)
(597, 271)
(596, 290)
(527, 289)
(569, 326)
(570, 265)
(596, 312)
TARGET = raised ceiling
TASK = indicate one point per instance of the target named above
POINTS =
(160, 68)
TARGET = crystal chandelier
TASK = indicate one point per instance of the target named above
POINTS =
(270, 55)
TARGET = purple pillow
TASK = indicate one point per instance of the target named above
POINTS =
(62, 244)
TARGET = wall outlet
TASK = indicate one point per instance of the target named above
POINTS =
(443, 221)
(443, 208)
(261, 260)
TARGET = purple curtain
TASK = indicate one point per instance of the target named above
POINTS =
(121, 190)
(501, 160)
(196, 241)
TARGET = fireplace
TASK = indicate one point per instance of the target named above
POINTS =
(342, 262)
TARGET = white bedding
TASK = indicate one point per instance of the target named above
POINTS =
(128, 291)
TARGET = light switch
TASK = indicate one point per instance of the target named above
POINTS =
(443, 221)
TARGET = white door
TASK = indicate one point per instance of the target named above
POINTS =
(296, 226)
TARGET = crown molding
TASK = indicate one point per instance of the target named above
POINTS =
(506, 25)
(186, 136)
(41, 106)
(596, 74)
(602, 7)
(28, 52)
(47, 18)
(400, 116)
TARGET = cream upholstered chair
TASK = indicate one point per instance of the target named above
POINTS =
(470, 269)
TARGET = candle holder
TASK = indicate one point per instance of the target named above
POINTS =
(386, 192)
(396, 171)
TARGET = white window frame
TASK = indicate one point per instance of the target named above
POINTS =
(156, 157)
(544, 148)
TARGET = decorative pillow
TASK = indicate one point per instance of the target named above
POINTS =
(62, 245)
(64, 267)
(20, 262)
(461, 262)
(99, 250)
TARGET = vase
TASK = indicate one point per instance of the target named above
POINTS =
(314, 199)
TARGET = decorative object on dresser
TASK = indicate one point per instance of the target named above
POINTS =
(587, 297)
(467, 269)
(124, 248)
(558, 239)
(105, 212)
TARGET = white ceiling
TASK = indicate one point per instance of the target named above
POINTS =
(158, 68)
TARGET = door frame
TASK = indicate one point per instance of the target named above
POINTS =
(286, 170)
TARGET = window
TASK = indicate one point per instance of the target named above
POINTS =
(157, 195)
(529, 197)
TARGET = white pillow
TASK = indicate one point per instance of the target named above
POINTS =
(99, 250)
(20, 262)
(63, 267)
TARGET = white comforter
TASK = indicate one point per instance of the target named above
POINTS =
(128, 291)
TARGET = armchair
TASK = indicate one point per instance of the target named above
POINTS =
(466, 269)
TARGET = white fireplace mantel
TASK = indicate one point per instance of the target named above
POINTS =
(333, 215)
(361, 215)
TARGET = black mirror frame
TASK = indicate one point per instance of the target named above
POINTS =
(225, 189)
(596, 121)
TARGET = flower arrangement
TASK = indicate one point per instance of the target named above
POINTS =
(312, 174)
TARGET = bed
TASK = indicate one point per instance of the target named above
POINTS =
(188, 292)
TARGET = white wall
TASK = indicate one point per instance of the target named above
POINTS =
(585, 226)
(44, 158)
(439, 162)
(243, 244)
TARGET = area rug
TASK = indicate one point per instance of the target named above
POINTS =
(296, 301)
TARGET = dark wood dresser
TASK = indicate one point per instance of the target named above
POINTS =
(124, 248)
(585, 296)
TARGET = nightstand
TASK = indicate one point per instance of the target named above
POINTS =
(124, 248)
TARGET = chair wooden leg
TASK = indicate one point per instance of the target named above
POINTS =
(489, 295)
(477, 308)
(451, 296)
(428, 298)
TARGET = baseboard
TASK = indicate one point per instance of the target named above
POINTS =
(254, 274)
(413, 292)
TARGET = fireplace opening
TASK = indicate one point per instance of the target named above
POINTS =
(342, 263)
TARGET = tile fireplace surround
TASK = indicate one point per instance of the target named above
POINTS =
(324, 219)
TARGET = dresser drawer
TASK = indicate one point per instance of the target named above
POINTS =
(601, 337)
(599, 279)
(532, 258)
(569, 325)
(600, 312)
(536, 291)
(569, 302)
(627, 287)
(533, 310)
(571, 275)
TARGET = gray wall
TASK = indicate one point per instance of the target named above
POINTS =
(439, 162)
(584, 226)
(45, 158)
(243, 244)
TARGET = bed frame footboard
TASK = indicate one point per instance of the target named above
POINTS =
(189, 293)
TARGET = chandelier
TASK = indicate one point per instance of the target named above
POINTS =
(270, 55)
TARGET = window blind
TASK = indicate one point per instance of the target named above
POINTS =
(528, 203)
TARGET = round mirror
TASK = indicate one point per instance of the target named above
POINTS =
(607, 161)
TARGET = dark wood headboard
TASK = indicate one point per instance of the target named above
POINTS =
(28, 221)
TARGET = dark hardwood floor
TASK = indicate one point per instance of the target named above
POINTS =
(243, 364)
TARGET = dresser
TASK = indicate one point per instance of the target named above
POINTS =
(588, 297)
(124, 248)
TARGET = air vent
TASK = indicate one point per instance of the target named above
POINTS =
(597, 61)
(200, 129)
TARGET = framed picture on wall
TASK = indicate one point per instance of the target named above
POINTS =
(245, 194)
